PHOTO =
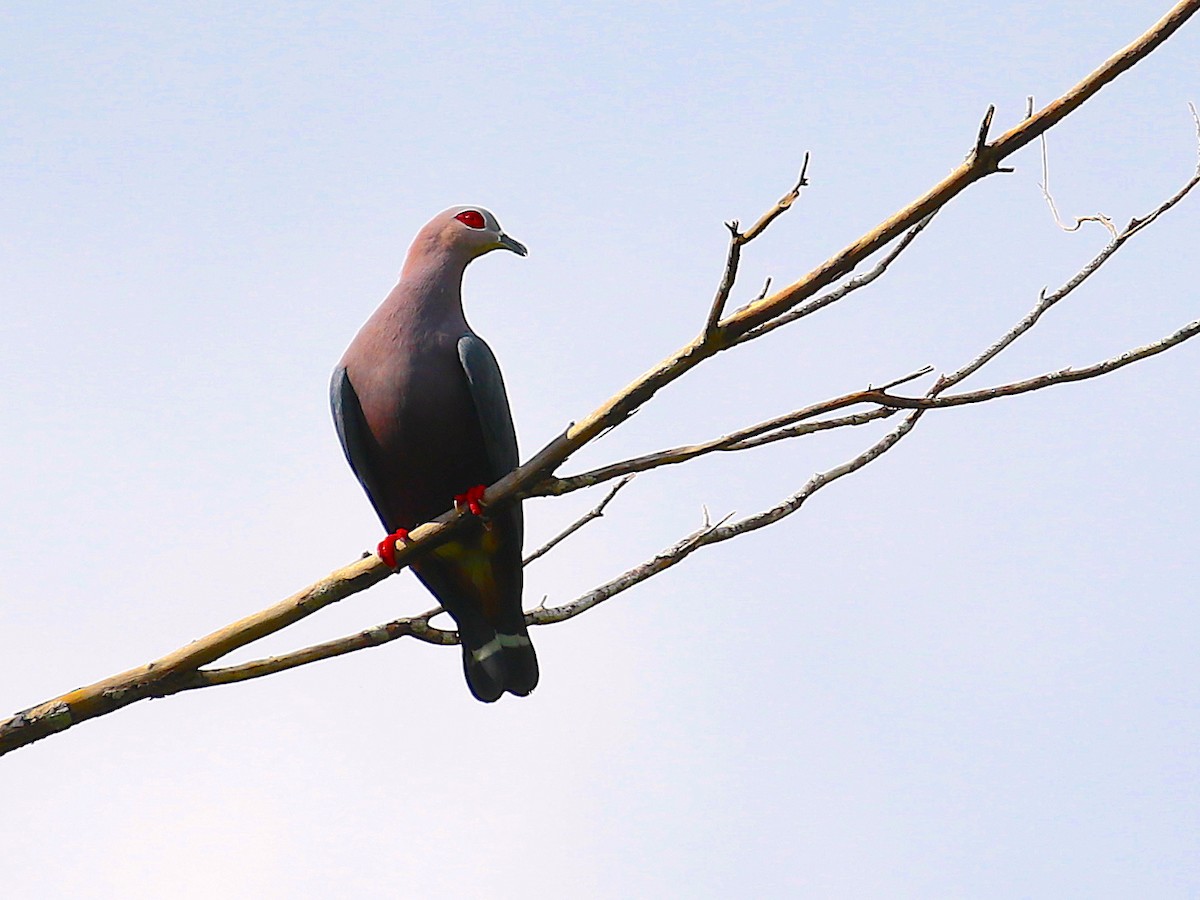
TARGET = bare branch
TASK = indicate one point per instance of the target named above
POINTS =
(750, 437)
(727, 280)
(673, 555)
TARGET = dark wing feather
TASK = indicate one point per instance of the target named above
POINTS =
(491, 405)
(357, 441)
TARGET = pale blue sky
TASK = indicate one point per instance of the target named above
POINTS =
(970, 670)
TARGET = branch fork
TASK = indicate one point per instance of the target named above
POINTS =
(737, 240)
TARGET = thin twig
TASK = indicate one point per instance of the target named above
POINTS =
(784, 204)
(848, 287)
(912, 376)
(728, 277)
(595, 513)
(793, 431)
(673, 555)
(412, 626)
(737, 440)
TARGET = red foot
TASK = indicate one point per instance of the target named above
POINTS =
(387, 547)
(472, 499)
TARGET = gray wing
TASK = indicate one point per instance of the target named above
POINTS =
(491, 404)
(357, 442)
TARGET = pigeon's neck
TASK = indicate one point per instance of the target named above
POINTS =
(434, 282)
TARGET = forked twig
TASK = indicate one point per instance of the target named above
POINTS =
(737, 240)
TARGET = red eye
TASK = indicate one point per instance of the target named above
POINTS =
(471, 218)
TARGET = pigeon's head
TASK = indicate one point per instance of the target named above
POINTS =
(471, 231)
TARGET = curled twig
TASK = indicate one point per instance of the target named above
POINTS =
(1079, 220)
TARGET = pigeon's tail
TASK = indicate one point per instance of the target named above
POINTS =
(482, 592)
(496, 661)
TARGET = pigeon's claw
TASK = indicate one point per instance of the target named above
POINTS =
(387, 547)
(472, 499)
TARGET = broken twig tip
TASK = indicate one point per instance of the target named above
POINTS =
(984, 127)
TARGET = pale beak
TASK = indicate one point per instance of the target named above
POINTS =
(514, 245)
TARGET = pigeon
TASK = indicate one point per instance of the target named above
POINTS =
(423, 418)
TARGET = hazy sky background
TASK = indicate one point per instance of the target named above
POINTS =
(969, 670)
